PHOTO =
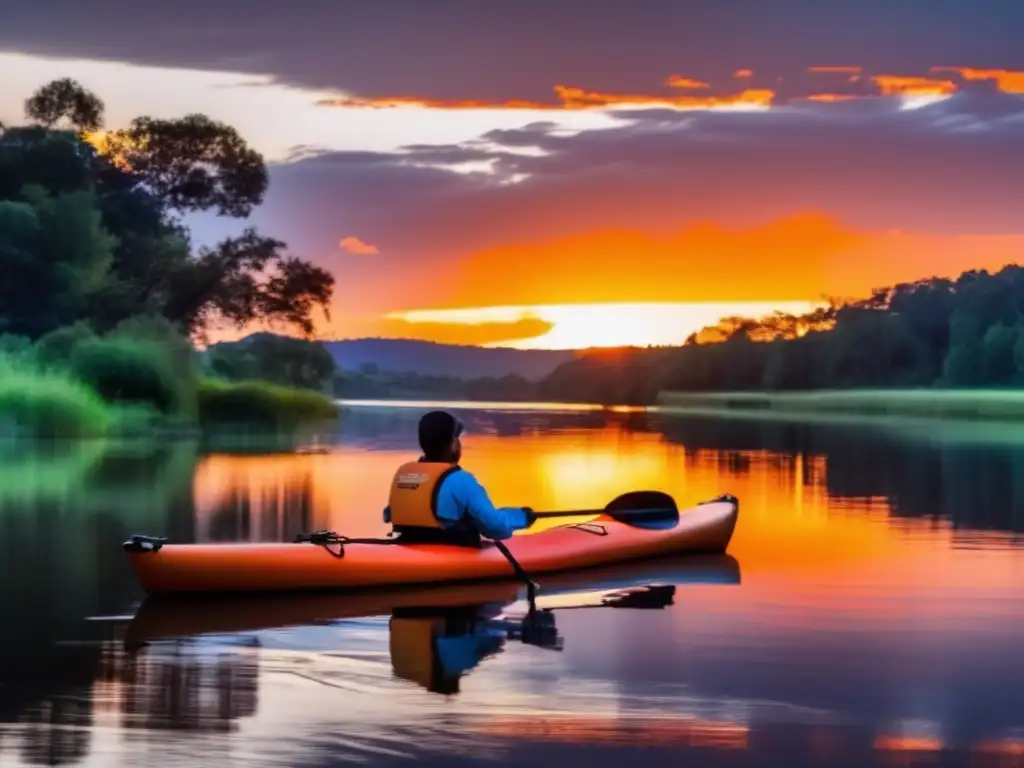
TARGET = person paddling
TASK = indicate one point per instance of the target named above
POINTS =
(433, 499)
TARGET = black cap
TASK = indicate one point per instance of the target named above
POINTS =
(436, 432)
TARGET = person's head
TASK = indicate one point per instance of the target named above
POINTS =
(439, 433)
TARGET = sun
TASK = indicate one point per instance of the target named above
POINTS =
(583, 326)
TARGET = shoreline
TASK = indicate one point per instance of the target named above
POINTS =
(964, 404)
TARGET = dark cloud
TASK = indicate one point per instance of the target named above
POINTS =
(948, 166)
(466, 49)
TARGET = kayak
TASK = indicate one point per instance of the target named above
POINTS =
(333, 562)
(169, 617)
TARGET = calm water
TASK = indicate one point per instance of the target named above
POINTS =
(871, 612)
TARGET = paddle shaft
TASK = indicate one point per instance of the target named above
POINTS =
(531, 585)
(606, 511)
(634, 504)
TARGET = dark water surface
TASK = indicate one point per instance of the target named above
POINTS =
(870, 612)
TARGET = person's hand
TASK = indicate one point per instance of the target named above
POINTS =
(531, 518)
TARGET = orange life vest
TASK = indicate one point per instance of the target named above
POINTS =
(413, 497)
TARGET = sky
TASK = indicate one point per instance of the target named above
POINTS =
(586, 172)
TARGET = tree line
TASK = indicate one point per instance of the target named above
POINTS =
(966, 332)
(931, 333)
(296, 362)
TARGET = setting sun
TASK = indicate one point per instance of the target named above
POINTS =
(580, 326)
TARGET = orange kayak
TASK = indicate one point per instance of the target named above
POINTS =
(265, 567)
(167, 617)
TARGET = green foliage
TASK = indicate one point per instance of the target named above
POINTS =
(14, 347)
(54, 255)
(48, 403)
(55, 348)
(994, 405)
(58, 161)
(279, 359)
(135, 379)
(130, 371)
(102, 290)
(262, 405)
(934, 333)
(94, 229)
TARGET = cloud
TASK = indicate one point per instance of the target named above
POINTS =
(1006, 80)
(531, 196)
(912, 85)
(678, 81)
(841, 69)
(478, 334)
(857, 84)
(573, 98)
(452, 50)
(829, 98)
(354, 245)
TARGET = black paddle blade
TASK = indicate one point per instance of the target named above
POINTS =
(643, 500)
(644, 509)
(651, 596)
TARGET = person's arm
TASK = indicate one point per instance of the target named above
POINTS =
(494, 523)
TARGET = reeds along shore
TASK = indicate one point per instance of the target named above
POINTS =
(120, 384)
(1001, 404)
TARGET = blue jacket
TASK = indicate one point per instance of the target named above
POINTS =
(462, 495)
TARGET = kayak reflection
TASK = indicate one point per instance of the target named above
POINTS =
(437, 636)
(436, 647)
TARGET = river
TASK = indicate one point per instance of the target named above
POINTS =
(870, 611)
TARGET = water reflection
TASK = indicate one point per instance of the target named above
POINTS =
(879, 618)
(938, 472)
(436, 636)
(183, 688)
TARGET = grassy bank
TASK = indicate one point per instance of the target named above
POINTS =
(988, 404)
(137, 381)
(256, 404)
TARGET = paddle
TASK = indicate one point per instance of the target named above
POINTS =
(658, 509)
(630, 508)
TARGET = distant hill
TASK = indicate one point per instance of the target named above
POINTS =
(432, 359)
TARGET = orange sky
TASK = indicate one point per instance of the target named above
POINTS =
(804, 257)
(737, 194)
(733, 190)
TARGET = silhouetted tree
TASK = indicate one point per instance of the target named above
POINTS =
(65, 99)
(88, 227)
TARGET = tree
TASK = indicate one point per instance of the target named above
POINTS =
(54, 257)
(66, 99)
(93, 226)
(244, 278)
(967, 332)
(279, 359)
(192, 164)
